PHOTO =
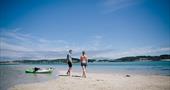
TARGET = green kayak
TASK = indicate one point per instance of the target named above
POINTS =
(49, 70)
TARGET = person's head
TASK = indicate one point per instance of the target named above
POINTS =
(70, 51)
(83, 53)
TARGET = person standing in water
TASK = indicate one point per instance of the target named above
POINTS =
(69, 62)
(84, 61)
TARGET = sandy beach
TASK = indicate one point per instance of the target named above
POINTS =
(99, 81)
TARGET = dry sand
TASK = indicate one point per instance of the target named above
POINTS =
(97, 81)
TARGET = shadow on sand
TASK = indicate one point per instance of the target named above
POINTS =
(68, 75)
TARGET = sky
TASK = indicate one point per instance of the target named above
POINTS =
(47, 29)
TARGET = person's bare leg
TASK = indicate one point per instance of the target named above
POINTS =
(84, 72)
(70, 71)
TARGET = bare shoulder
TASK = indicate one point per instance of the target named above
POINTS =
(86, 56)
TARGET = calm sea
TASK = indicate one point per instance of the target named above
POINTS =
(11, 75)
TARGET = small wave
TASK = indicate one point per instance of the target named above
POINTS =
(166, 69)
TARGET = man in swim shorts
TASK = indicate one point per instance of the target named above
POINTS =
(84, 61)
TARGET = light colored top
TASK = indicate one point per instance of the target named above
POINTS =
(69, 58)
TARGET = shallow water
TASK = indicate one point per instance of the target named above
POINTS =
(11, 75)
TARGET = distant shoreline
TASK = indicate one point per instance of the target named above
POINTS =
(164, 57)
(32, 62)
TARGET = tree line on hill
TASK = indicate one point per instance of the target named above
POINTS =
(144, 58)
(43, 61)
(76, 60)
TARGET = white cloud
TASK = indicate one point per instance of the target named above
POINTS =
(114, 5)
(133, 52)
(98, 37)
(97, 43)
(165, 49)
(5, 45)
(19, 45)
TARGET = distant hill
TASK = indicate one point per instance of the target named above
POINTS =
(43, 61)
(143, 58)
(76, 60)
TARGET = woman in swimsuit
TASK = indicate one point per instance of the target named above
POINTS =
(84, 61)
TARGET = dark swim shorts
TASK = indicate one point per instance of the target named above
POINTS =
(69, 64)
(84, 64)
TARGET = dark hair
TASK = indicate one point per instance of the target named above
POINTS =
(83, 52)
(70, 50)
